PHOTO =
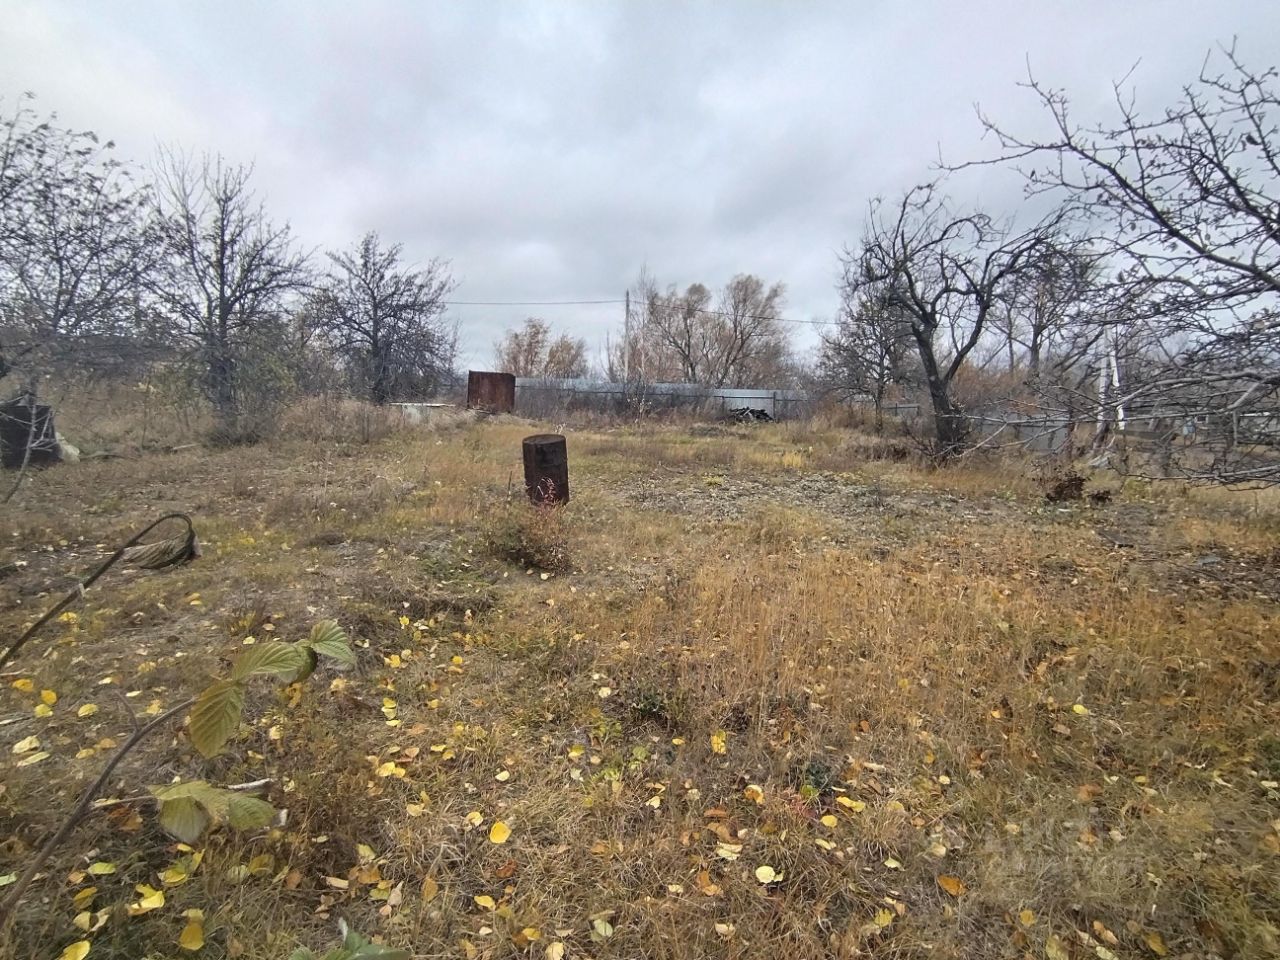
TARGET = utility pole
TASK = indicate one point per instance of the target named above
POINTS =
(626, 343)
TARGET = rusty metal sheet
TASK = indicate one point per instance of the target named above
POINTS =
(494, 392)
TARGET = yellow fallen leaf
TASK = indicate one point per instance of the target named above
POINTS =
(338, 883)
(499, 832)
(1080, 710)
(485, 901)
(766, 874)
(1026, 918)
(149, 899)
(719, 741)
(1155, 943)
(754, 793)
(429, 889)
(87, 710)
(554, 951)
(882, 919)
(728, 851)
(829, 821)
(49, 697)
(708, 888)
(474, 819)
(101, 868)
(1054, 949)
(893, 864)
(75, 951)
(42, 710)
(84, 897)
(24, 685)
(502, 776)
(32, 758)
(857, 806)
(953, 885)
(26, 745)
(192, 936)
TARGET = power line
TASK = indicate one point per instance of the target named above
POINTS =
(574, 303)
(757, 316)
(525, 303)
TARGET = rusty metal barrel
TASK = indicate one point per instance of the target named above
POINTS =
(492, 392)
(546, 468)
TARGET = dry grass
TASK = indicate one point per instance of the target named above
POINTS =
(782, 646)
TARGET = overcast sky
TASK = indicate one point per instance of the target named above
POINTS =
(549, 150)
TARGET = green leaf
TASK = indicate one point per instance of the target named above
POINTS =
(331, 640)
(272, 658)
(183, 789)
(182, 818)
(302, 953)
(250, 813)
(216, 716)
(376, 951)
(214, 799)
(309, 664)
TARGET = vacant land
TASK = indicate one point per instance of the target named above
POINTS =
(754, 693)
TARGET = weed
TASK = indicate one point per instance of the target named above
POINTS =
(531, 535)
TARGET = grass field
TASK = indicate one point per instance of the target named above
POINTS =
(763, 692)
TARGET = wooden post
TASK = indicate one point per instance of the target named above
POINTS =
(546, 468)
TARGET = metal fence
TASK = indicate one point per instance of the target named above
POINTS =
(545, 397)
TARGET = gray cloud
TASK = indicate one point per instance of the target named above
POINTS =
(551, 149)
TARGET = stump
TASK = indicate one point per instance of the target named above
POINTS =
(546, 468)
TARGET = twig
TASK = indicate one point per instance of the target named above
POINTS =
(26, 453)
(10, 903)
(78, 590)
(128, 710)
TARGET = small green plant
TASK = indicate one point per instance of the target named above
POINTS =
(188, 808)
(353, 947)
(216, 713)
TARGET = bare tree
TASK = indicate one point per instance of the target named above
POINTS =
(870, 350)
(566, 358)
(680, 332)
(74, 243)
(522, 352)
(531, 352)
(387, 321)
(749, 341)
(948, 274)
(1185, 206)
(1048, 311)
(227, 274)
(735, 339)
